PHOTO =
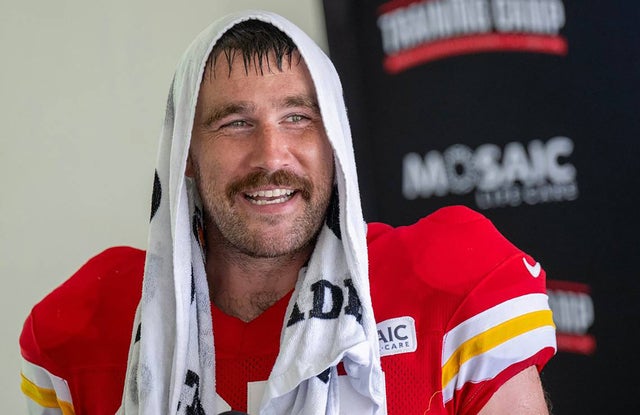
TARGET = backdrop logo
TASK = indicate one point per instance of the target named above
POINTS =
(535, 173)
(415, 32)
(573, 314)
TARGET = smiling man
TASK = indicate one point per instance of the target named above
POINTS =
(264, 170)
(263, 291)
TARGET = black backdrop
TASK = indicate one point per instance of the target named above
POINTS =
(528, 114)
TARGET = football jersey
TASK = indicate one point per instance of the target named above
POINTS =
(459, 310)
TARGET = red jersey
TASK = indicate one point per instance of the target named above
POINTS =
(459, 311)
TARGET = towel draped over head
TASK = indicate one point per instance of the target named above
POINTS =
(171, 366)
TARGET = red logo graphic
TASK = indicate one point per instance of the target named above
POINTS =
(415, 32)
(573, 314)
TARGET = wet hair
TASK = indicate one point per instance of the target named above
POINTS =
(258, 42)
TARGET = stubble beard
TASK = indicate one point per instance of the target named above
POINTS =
(253, 236)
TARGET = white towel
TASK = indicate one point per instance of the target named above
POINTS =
(171, 360)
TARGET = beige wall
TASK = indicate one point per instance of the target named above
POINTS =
(83, 87)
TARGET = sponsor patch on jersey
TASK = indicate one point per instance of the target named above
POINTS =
(397, 335)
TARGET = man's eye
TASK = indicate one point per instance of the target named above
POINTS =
(236, 123)
(295, 118)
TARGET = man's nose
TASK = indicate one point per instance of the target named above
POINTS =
(271, 150)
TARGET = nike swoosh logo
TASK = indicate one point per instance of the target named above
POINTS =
(534, 270)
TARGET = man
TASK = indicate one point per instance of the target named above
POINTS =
(257, 296)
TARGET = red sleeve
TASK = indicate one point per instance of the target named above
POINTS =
(502, 323)
(480, 293)
(80, 332)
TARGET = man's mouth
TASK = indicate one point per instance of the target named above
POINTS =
(269, 197)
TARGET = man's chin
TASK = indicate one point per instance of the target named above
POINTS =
(275, 245)
(260, 239)
(273, 249)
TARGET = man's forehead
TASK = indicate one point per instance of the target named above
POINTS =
(232, 82)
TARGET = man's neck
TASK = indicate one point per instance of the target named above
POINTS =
(244, 286)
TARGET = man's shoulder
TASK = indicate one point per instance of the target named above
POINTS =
(116, 271)
(453, 245)
(94, 307)
(445, 226)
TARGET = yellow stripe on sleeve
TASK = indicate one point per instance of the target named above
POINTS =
(493, 337)
(44, 397)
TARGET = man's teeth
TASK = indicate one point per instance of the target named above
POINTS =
(280, 195)
(271, 193)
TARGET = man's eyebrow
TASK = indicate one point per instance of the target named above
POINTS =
(300, 101)
(219, 112)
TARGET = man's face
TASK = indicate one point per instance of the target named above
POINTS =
(260, 157)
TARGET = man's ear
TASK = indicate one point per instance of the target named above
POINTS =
(189, 170)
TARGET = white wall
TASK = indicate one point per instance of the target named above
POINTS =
(82, 93)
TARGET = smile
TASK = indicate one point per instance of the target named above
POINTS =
(269, 197)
